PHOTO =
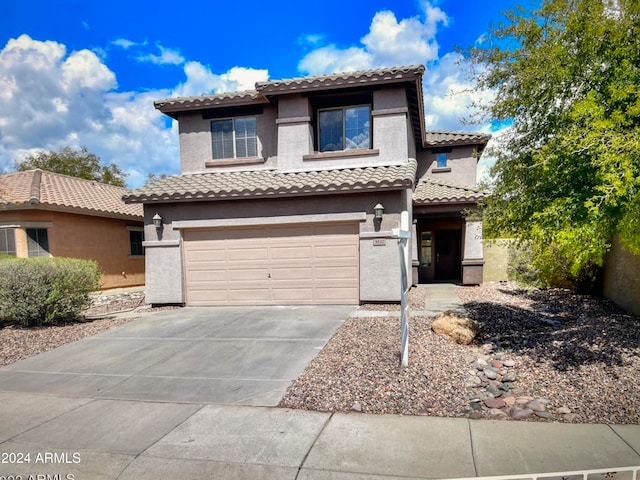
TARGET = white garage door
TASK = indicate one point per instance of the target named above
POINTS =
(301, 264)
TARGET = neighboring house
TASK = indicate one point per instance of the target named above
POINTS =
(276, 200)
(48, 214)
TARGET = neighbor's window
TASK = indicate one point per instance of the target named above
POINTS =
(441, 160)
(345, 128)
(8, 241)
(136, 237)
(37, 242)
(234, 138)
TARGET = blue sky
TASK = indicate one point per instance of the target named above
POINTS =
(86, 73)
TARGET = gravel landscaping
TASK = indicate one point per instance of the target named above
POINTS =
(541, 355)
(17, 343)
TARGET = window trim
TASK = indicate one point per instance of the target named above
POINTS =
(234, 139)
(344, 108)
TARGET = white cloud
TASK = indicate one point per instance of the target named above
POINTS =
(167, 56)
(201, 80)
(389, 42)
(126, 44)
(50, 99)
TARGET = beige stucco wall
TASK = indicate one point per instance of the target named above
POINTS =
(379, 265)
(104, 240)
(496, 259)
(286, 135)
(461, 167)
(622, 277)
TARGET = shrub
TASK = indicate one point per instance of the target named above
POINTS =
(38, 291)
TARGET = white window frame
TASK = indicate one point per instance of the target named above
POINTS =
(344, 125)
(234, 137)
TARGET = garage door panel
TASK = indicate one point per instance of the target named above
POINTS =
(299, 264)
(248, 274)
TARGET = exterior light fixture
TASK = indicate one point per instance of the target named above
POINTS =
(378, 210)
(157, 221)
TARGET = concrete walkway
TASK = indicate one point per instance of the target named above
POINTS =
(88, 428)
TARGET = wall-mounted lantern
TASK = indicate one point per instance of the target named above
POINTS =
(157, 221)
(378, 210)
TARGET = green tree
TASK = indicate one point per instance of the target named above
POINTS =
(75, 163)
(566, 75)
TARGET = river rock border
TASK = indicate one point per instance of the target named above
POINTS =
(491, 390)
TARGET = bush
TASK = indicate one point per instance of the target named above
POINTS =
(40, 291)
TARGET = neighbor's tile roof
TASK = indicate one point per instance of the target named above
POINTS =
(428, 191)
(52, 191)
(272, 183)
(438, 138)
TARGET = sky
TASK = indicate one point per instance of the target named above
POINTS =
(86, 72)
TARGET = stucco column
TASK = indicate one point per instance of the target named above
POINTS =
(473, 259)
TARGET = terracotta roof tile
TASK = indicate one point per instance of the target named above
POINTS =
(444, 138)
(42, 189)
(428, 191)
(272, 183)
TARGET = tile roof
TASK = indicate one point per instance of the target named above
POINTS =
(272, 183)
(342, 79)
(443, 138)
(52, 191)
(410, 75)
(428, 192)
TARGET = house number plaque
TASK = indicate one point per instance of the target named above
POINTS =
(379, 242)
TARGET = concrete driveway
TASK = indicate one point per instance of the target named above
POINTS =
(223, 355)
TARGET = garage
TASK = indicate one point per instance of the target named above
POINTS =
(275, 265)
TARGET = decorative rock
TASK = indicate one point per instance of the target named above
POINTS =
(496, 364)
(537, 406)
(510, 376)
(494, 403)
(570, 417)
(496, 412)
(523, 400)
(460, 329)
(544, 414)
(485, 395)
(563, 410)
(490, 374)
(356, 407)
(509, 401)
(482, 362)
(472, 381)
(509, 363)
(520, 413)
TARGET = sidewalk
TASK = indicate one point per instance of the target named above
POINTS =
(70, 435)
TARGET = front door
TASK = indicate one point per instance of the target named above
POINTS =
(447, 250)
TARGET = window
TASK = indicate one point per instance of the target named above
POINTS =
(441, 160)
(234, 138)
(425, 249)
(345, 128)
(7, 241)
(136, 237)
(37, 242)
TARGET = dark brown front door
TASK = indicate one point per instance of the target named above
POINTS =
(447, 249)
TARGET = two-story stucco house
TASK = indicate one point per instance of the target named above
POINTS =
(277, 199)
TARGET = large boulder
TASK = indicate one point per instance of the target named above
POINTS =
(460, 329)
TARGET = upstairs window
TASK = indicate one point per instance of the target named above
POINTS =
(234, 138)
(37, 242)
(7, 241)
(441, 160)
(344, 128)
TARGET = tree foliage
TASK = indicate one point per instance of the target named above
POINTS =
(75, 163)
(567, 177)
